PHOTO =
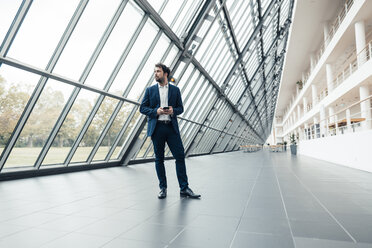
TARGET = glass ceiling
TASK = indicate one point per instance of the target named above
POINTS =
(73, 73)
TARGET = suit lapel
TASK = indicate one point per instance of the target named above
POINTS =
(169, 93)
(157, 95)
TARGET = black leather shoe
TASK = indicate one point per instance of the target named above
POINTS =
(188, 193)
(162, 194)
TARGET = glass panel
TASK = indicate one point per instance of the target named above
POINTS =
(8, 10)
(148, 70)
(185, 16)
(95, 129)
(40, 123)
(144, 148)
(209, 44)
(191, 88)
(134, 58)
(178, 72)
(156, 4)
(284, 12)
(114, 130)
(41, 31)
(185, 77)
(264, 5)
(124, 139)
(171, 57)
(85, 38)
(195, 98)
(211, 96)
(16, 87)
(171, 10)
(71, 128)
(115, 45)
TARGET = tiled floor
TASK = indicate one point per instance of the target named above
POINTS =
(253, 200)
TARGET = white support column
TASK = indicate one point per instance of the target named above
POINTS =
(312, 61)
(299, 111)
(331, 112)
(314, 93)
(303, 78)
(304, 100)
(322, 121)
(348, 120)
(300, 133)
(365, 107)
(360, 41)
(315, 119)
(326, 33)
(329, 78)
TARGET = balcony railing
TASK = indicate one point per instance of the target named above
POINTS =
(341, 122)
(350, 66)
(333, 29)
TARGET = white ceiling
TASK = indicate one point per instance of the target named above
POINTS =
(305, 37)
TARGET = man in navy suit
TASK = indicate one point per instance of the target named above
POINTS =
(161, 104)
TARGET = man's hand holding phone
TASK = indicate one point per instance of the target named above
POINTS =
(168, 110)
(165, 110)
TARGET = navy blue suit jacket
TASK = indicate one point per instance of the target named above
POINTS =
(151, 103)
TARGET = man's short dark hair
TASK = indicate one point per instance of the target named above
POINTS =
(163, 67)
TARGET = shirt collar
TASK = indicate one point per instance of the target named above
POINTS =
(163, 87)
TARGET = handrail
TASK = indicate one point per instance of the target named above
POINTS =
(325, 123)
(350, 106)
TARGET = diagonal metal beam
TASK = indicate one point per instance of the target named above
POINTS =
(155, 17)
(248, 44)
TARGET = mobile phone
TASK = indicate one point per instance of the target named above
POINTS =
(165, 107)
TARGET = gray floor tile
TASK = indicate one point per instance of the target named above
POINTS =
(30, 238)
(323, 243)
(204, 237)
(77, 240)
(243, 240)
(126, 243)
(272, 226)
(152, 233)
(321, 230)
(108, 227)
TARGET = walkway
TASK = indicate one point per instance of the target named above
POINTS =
(256, 200)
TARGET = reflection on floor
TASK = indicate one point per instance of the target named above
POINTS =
(259, 199)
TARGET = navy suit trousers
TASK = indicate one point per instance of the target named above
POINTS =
(164, 133)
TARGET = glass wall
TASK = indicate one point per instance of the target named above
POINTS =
(73, 74)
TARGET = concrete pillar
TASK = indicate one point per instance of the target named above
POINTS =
(326, 33)
(303, 78)
(314, 93)
(336, 124)
(365, 107)
(322, 122)
(348, 120)
(360, 41)
(331, 112)
(312, 61)
(329, 78)
(315, 120)
(305, 104)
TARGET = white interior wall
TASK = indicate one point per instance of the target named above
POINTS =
(351, 149)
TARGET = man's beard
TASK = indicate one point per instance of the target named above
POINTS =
(160, 80)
